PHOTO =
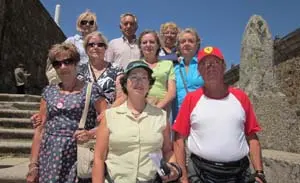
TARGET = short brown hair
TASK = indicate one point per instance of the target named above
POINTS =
(156, 38)
(64, 48)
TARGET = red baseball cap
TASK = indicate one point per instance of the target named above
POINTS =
(209, 50)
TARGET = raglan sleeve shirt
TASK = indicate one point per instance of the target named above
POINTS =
(182, 123)
(251, 124)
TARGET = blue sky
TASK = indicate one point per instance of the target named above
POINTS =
(219, 23)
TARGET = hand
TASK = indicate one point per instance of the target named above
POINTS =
(100, 117)
(82, 136)
(172, 176)
(36, 120)
(258, 180)
(184, 181)
(159, 105)
(32, 175)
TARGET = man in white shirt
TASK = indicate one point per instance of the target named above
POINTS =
(220, 125)
(21, 78)
(124, 49)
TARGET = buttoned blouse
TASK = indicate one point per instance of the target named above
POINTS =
(131, 140)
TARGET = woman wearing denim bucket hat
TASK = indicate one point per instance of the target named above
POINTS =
(128, 134)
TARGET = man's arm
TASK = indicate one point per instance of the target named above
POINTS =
(255, 152)
(179, 150)
(256, 156)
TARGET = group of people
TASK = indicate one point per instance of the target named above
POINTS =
(144, 89)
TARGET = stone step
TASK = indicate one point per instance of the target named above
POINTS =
(16, 170)
(20, 105)
(15, 147)
(10, 113)
(280, 166)
(19, 97)
(19, 133)
(15, 123)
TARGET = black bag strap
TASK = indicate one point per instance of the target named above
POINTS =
(106, 174)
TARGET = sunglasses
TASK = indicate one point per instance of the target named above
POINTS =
(57, 64)
(96, 44)
(85, 22)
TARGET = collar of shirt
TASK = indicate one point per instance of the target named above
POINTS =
(134, 41)
(123, 109)
(193, 61)
(78, 37)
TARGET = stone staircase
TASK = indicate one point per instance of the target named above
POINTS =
(16, 134)
(15, 127)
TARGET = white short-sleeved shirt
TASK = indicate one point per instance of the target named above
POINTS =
(121, 52)
(217, 128)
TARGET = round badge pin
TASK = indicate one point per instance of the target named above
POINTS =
(59, 105)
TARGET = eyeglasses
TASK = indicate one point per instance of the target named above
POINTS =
(135, 79)
(170, 33)
(85, 22)
(57, 64)
(96, 44)
(213, 63)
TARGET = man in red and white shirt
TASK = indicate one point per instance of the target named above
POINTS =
(220, 125)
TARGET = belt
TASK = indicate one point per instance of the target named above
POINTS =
(222, 164)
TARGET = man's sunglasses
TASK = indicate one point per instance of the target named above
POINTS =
(57, 64)
(96, 44)
(85, 22)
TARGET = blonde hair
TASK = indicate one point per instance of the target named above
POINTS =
(189, 31)
(64, 48)
(165, 26)
(86, 15)
(94, 34)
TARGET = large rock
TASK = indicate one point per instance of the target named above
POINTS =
(257, 77)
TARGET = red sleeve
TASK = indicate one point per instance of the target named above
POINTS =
(182, 123)
(251, 124)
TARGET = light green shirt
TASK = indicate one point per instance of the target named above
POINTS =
(131, 140)
(162, 72)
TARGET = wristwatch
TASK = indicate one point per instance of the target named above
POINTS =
(261, 175)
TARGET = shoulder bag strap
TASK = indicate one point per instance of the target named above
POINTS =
(183, 80)
(91, 73)
(86, 106)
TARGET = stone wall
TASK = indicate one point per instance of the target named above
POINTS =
(287, 76)
(287, 47)
(26, 33)
(232, 75)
